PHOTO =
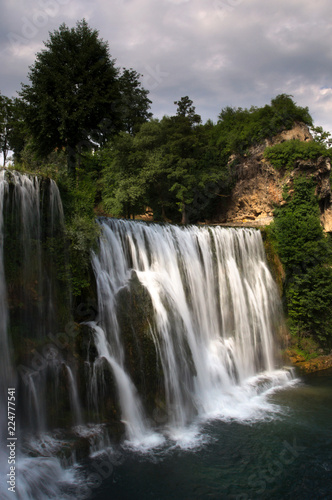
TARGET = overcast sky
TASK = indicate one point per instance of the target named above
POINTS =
(219, 52)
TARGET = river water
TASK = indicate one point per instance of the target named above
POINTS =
(286, 455)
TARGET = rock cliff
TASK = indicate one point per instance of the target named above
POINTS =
(259, 186)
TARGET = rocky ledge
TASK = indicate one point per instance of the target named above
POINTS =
(312, 365)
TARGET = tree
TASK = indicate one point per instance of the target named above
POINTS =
(6, 115)
(239, 129)
(170, 165)
(74, 101)
(186, 109)
(322, 136)
(135, 103)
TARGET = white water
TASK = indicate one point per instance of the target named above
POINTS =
(21, 200)
(216, 311)
(131, 409)
(74, 399)
(5, 358)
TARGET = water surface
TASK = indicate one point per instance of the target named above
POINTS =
(287, 456)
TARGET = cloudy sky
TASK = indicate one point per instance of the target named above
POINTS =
(219, 52)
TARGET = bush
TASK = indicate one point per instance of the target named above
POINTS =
(309, 301)
(305, 252)
(239, 129)
(285, 154)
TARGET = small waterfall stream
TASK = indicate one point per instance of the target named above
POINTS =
(31, 218)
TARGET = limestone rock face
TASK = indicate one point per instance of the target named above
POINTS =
(326, 219)
(259, 185)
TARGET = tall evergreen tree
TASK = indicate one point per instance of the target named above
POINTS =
(135, 103)
(74, 100)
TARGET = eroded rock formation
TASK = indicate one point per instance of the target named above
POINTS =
(259, 185)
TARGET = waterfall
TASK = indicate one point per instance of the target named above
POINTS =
(6, 369)
(31, 239)
(185, 332)
(132, 413)
(31, 233)
(215, 311)
(74, 399)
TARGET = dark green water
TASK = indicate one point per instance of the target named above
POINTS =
(286, 457)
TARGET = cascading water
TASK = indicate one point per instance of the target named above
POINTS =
(215, 314)
(186, 332)
(31, 218)
(6, 369)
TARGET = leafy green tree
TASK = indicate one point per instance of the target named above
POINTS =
(299, 234)
(73, 89)
(135, 103)
(285, 154)
(186, 109)
(124, 191)
(286, 112)
(309, 299)
(171, 165)
(239, 129)
(322, 136)
(18, 132)
(75, 101)
(13, 131)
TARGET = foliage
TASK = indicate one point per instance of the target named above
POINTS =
(178, 162)
(169, 163)
(76, 99)
(238, 129)
(81, 231)
(12, 127)
(53, 166)
(305, 252)
(134, 102)
(299, 234)
(285, 154)
(186, 109)
(5, 119)
(306, 347)
(309, 298)
(321, 136)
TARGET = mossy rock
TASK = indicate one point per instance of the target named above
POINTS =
(136, 320)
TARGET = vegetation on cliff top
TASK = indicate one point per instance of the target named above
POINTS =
(285, 154)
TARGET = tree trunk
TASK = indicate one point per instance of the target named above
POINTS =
(185, 217)
(4, 151)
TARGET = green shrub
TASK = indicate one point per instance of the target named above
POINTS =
(305, 252)
(309, 302)
(239, 129)
(285, 154)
